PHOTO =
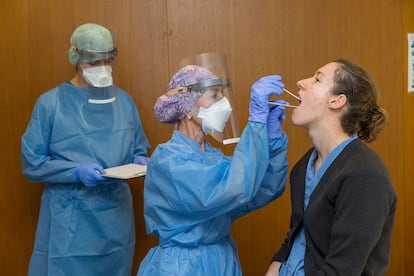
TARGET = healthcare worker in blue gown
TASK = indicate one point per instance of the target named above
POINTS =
(86, 221)
(193, 192)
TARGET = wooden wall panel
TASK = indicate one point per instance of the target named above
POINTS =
(18, 211)
(260, 37)
(408, 133)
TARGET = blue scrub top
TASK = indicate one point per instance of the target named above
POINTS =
(295, 265)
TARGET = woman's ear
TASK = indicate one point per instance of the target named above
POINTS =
(337, 102)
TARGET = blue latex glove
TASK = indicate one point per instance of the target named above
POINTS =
(274, 122)
(89, 174)
(259, 97)
(141, 160)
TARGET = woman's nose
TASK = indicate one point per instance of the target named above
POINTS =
(301, 84)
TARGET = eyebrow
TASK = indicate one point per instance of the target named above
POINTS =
(319, 73)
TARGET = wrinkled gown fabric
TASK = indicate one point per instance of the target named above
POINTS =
(81, 230)
(192, 197)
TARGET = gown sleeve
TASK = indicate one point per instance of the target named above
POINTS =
(141, 142)
(37, 164)
(195, 187)
(274, 181)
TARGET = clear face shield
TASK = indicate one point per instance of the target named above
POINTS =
(216, 106)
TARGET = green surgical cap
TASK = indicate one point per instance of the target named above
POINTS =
(89, 37)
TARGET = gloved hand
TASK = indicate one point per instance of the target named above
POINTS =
(89, 174)
(141, 160)
(274, 121)
(259, 97)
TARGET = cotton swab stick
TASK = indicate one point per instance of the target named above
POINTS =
(291, 94)
(282, 104)
(286, 105)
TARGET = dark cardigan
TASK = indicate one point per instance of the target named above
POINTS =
(350, 216)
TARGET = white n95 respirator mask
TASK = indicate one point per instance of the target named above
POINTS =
(99, 76)
(214, 117)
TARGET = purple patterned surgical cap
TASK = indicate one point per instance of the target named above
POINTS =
(173, 108)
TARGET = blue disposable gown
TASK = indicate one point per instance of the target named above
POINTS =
(82, 231)
(192, 197)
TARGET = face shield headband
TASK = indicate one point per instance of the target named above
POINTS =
(92, 55)
(200, 86)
